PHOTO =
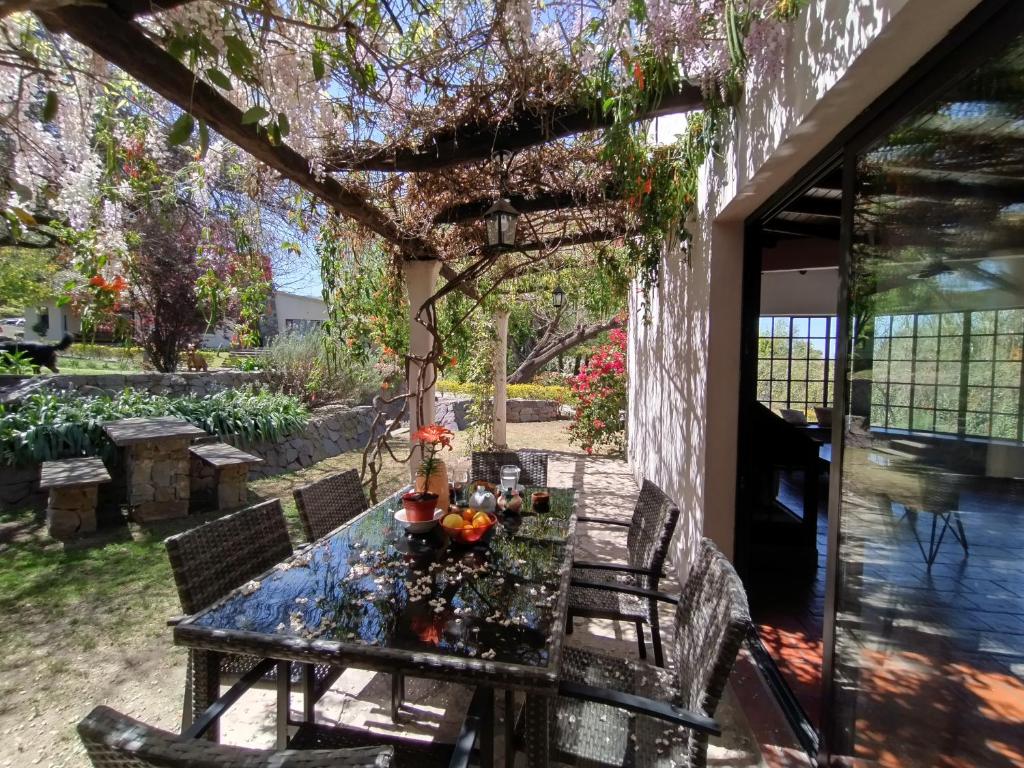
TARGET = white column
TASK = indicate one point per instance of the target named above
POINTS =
(420, 279)
(500, 377)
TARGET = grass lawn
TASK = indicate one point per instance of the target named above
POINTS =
(121, 363)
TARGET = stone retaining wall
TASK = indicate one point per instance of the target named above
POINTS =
(330, 431)
(183, 383)
(452, 411)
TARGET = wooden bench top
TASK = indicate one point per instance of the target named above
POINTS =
(148, 429)
(223, 455)
(72, 473)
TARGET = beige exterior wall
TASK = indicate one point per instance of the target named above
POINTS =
(290, 306)
(684, 364)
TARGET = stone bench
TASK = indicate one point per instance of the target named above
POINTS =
(230, 468)
(74, 489)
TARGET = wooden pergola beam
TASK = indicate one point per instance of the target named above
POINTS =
(471, 143)
(568, 241)
(461, 213)
(125, 45)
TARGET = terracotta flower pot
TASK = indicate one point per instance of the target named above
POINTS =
(419, 506)
(436, 483)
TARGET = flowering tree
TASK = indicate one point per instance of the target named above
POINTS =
(163, 271)
(599, 394)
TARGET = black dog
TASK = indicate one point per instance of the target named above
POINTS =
(38, 355)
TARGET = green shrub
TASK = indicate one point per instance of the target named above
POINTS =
(296, 364)
(48, 426)
(16, 362)
(524, 391)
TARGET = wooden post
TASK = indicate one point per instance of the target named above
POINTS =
(500, 378)
(420, 279)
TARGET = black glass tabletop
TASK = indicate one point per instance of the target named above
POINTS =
(370, 588)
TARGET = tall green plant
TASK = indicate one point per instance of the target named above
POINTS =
(47, 425)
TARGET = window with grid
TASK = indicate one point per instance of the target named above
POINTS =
(796, 362)
(956, 373)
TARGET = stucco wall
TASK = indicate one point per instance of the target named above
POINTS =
(684, 364)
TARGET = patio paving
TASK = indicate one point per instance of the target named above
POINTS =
(434, 709)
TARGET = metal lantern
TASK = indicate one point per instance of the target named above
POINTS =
(558, 298)
(501, 221)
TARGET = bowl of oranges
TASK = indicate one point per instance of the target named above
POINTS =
(467, 526)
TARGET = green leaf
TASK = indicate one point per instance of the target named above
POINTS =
(218, 78)
(282, 124)
(254, 115)
(274, 134)
(319, 70)
(237, 66)
(50, 107)
(182, 129)
(204, 138)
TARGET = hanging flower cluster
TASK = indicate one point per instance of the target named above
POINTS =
(599, 394)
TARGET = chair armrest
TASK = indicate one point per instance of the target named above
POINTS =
(471, 727)
(602, 521)
(621, 567)
(641, 706)
(638, 591)
(176, 620)
(216, 710)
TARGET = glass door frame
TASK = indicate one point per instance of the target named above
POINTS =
(992, 25)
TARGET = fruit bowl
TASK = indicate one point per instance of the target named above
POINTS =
(418, 526)
(468, 532)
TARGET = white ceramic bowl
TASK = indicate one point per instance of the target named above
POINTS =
(421, 527)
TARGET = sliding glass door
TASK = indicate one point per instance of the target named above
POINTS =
(928, 632)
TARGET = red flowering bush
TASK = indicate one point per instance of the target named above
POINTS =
(599, 394)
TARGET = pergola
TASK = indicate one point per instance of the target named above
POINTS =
(558, 212)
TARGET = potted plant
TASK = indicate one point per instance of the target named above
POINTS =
(419, 506)
(432, 475)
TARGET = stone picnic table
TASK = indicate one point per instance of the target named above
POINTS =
(74, 487)
(157, 464)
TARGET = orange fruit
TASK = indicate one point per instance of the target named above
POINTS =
(453, 521)
(481, 520)
(469, 514)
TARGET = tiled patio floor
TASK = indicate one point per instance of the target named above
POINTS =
(435, 709)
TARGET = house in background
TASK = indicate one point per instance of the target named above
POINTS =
(286, 313)
(292, 313)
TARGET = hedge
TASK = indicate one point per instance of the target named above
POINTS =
(523, 391)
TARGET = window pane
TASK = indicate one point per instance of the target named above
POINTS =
(928, 640)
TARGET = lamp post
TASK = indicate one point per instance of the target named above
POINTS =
(501, 221)
(558, 297)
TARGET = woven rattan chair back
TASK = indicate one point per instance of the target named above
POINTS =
(711, 623)
(113, 740)
(650, 531)
(534, 465)
(329, 503)
(212, 559)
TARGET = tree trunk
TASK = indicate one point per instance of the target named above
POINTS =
(548, 350)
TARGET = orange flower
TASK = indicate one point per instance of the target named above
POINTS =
(119, 283)
(434, 434)
(385, 385)
(453, 362)
(349, 341)
(97, 280)
(647, 187)
(638, 75)
(388, 350)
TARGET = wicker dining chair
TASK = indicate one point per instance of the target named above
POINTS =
(114, 740)
(486, 465)
(212, 559)
(613, 711)
(647, 542)
(329, 503)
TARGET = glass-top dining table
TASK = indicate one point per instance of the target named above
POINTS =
(371, 596)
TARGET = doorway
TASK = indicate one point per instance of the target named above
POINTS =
(790, 340)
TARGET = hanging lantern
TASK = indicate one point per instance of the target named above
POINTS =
(501, 221)
(558, 298)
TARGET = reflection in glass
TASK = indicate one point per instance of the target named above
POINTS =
(929, 636)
